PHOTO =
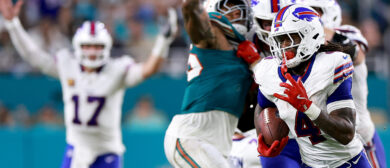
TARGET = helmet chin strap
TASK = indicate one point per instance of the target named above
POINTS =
(240, 28)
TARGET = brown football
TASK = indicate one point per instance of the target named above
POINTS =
(272, 127)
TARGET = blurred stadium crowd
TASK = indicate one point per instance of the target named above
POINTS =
(134, 25)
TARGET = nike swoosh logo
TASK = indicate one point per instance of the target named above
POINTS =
(299, 97)
(357, 160)
(345, 56)
(254, 48)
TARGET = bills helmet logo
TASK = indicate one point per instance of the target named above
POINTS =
(279, 17)
(305, 14)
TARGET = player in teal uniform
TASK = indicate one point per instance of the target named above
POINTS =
(218, 81)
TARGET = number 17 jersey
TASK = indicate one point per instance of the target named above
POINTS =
(93, 103)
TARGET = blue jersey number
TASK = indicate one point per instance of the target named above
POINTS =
(305, 127)
(90, 99)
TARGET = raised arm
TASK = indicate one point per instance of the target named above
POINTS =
(159, 52)
(26, 47)
(198, 25)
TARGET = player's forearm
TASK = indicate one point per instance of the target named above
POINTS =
(151, 66)
(339, 124)
(197, 22)
(27, 48)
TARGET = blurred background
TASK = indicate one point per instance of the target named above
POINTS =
(32, 132)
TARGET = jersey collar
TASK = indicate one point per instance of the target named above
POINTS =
(304, 76)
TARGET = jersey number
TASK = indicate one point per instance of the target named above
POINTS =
(194, 67)
(305, 127)
(90, 99)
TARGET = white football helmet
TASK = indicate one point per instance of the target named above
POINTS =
(92, 33)
(331, 11)
(303, 21)
(221, 6)
(265, 10)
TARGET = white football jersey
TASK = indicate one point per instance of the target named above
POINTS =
(365, 126)
(324, 75)
(93, 102)
(244, 151)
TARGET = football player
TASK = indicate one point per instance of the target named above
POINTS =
(201, 135)
(311, 88)
(93, 85)
(264, 11)
(330, 13)
(244, 153)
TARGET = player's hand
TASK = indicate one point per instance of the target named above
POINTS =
(247, 51)
(169, 27)
(275, 149)
(8, 10)
(296, 94)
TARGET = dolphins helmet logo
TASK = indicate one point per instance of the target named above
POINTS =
(305, 14)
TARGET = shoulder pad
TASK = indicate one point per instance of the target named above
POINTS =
(124, 59)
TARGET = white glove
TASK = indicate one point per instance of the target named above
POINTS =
(167, 35)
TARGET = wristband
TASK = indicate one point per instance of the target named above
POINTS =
(313, 112)
(161, 46)
(11, 24)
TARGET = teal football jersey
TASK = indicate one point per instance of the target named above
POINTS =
(217, 80)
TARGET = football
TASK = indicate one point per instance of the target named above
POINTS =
(272, 127)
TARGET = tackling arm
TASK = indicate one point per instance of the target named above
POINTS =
(198, 25)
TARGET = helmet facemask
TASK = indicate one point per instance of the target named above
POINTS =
(302, 36)
(92, 44)
(285, 46)
(261, 32)
(93, 55)
(241, 23)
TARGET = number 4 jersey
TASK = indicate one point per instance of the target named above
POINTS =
(328, 84)
(93, 103)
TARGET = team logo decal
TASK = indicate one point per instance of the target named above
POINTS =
(255, 2)
(279, 17)
(305, 14)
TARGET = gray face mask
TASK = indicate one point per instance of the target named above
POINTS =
(245, 9)
(241, 29)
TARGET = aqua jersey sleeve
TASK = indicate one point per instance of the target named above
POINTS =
(224, 24)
